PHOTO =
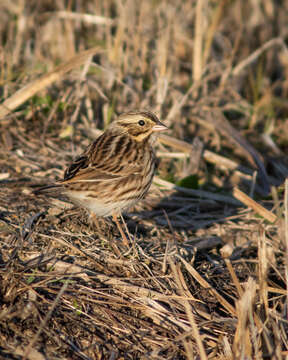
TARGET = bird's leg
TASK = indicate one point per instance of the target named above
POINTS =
(126, 227)
(125, 240)
(94, 220)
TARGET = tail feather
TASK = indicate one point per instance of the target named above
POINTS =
(53, 189)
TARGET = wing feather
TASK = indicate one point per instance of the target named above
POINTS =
(101, 161)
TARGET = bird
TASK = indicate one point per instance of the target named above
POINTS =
(116, 170)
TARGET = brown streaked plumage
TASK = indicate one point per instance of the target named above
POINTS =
(117, 169)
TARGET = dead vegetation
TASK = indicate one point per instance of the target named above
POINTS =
(206, 274)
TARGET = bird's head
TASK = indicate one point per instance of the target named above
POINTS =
(139, 124)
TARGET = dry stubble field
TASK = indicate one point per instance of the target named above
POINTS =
(206, 274)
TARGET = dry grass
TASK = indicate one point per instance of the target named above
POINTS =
(207, 271)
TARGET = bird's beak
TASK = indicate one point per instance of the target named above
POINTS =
(159, 127)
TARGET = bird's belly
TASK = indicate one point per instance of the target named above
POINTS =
(98, 206)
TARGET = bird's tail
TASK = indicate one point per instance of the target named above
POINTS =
(49, 190)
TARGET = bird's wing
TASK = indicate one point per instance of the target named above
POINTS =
(100, 162)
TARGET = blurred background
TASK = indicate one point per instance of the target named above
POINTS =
(191, 62)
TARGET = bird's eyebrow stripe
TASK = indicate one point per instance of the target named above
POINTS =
(149, 116)
(145, 114)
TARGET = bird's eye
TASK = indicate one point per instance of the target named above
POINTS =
(141, 122)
